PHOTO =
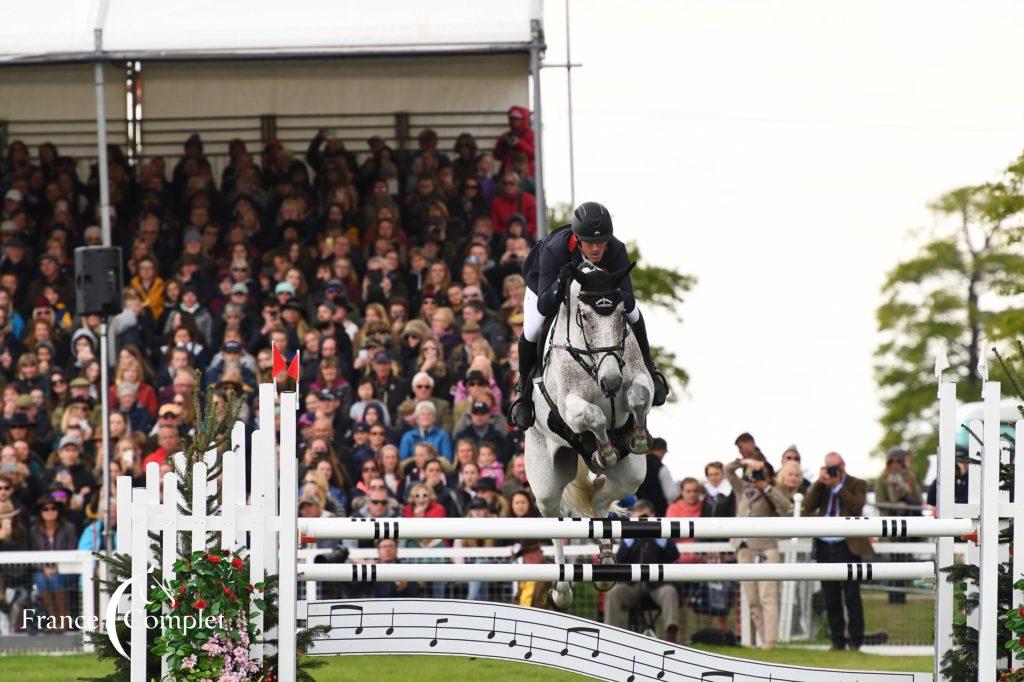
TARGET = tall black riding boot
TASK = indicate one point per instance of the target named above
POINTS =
(520, 412)
(660, 384)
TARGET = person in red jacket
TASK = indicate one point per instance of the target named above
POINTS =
(518, 137)
(510, 201)
(423, 503)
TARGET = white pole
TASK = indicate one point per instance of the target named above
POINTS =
(988, 535)
(619, 572)
(536, 47)
(288, 539)
(945, 499)
(1017, 562)
(584, 529)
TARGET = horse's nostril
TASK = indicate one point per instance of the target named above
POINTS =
(610, 384)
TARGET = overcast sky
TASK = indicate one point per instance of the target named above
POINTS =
(785, 154)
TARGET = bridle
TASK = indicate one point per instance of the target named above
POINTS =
(584, 357)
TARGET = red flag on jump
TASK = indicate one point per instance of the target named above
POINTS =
(293, 368)
(278, 361)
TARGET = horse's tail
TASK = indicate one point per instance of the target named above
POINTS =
(578, 496)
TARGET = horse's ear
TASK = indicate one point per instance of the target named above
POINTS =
(622, 274)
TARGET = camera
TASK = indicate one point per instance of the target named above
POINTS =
(376, 276)
(338, 555)
(833, 471)
(757, 475)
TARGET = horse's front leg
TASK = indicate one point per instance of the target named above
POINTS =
(638, 399)
(583, 416)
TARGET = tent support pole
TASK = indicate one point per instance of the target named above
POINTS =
(536, 48)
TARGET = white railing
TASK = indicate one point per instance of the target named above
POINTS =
(69, 562)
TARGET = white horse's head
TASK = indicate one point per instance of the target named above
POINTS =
(600, 321)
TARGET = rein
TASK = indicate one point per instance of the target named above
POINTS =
(584, 357)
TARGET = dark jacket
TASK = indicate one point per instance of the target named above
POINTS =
(540, 270)
(647, 552)
(851, 503)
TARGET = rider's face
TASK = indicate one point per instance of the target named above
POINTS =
(594, 252)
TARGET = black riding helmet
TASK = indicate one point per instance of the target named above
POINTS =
(592, 223)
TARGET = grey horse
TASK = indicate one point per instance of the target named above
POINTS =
(595, 379)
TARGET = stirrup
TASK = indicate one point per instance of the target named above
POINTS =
(510, 415)
(661, 388)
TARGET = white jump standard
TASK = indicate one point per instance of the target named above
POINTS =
(636, 573)
(614, 529)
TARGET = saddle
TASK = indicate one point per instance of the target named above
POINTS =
(583, 443)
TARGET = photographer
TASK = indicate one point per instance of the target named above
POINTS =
(837, 494)
(387, 553)
(757, 496)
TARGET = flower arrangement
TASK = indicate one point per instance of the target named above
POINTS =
(208, 607)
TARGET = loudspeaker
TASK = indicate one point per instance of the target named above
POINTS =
(98, 280)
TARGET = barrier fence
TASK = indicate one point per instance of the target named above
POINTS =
(273, 535)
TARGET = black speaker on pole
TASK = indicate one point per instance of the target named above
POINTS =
(98, 280)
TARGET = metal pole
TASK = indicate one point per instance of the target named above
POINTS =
(536, 47)
(568, 88)
(104, 180)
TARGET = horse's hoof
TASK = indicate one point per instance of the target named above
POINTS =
(606, 456)
(605, 556)
(640, 442)
(561, 595)
(603, 585)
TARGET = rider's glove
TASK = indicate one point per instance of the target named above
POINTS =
(564, 275)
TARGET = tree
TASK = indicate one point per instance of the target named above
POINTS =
(657, 287)
(960, 290)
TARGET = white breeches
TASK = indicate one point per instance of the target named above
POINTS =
(533, 321)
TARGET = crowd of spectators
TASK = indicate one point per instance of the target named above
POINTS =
(395, 272)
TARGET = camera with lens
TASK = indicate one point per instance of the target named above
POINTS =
(757, 475)
(338, 555)
(833, 471)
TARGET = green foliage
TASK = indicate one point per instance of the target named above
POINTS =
(961, 288)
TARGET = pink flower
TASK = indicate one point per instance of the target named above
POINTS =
(189, 662)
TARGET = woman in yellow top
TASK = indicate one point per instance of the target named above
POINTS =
(149, 285)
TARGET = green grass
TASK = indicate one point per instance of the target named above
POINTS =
(447, 668)
(811, 658)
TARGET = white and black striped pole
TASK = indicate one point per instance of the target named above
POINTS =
(633, 573)
(593, 529)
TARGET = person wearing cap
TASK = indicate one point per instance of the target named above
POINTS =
(462, 354)
(387, 387)
(15, 259)
(512, 200)
(481, 430)
(69, 471)
(518, 137)
(128, 405)
(658, 487)
(897, 488)
(548, 272)
(486, 489)
(426, 431)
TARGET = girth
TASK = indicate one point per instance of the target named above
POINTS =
(585, 444)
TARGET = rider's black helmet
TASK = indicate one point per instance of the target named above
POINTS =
(591, 222)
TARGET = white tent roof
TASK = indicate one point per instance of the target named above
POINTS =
(59, 30)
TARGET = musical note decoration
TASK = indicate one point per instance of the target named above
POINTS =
(550, 638)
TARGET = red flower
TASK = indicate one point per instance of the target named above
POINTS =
(227, 591)
(1022, 612)
(227, 552)
(181, 589)
(199, 605)
(237, 563)
(250, 587)
(213, 558)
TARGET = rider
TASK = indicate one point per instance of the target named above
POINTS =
(548, 271)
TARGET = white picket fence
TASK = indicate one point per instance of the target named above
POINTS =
(269, 521)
